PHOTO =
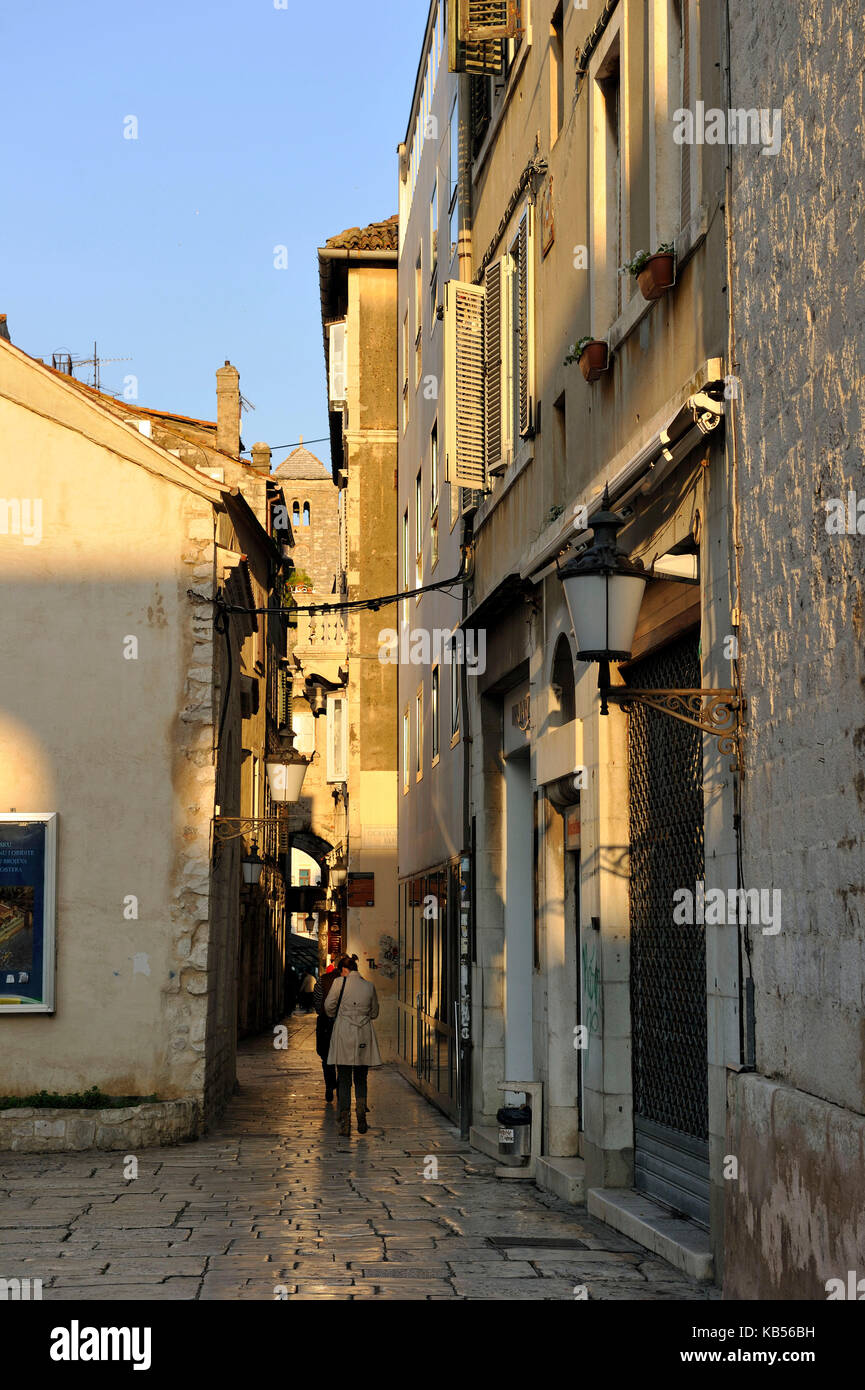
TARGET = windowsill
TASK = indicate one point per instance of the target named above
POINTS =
(525, 454)
(436, 760)
(418, 777)
(688, 241)
(455, 738)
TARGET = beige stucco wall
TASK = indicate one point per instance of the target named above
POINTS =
(120, 749)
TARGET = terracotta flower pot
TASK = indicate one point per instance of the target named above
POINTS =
(593, 360)
(656, 277)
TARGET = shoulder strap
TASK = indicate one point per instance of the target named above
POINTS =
(341, 993)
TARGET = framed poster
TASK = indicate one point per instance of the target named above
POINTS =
(28, 875)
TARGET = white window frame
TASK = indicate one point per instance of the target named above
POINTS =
(337, 771)
(605, 280)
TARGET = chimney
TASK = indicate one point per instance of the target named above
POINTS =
(4, 329)
(228, 410)
(261, 459)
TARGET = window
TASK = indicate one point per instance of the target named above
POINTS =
(418, 315)
(453, 196)
(434, 712)
(337, 363)
(303, 878)
(406, 348)
(557, 74)
(563, 704)
(295, 513)
(418, 532)
(434, 252)
(306, 514)
(606, 200)
(405, 551)
(418, 736)
(434, 542)
(337, 711)
(405, 750)
(434, 469)
(455, 692)
(560, 445)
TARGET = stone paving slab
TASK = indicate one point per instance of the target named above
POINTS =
(274, 1206)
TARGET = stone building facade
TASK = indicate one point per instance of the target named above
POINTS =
(358, 286)
(797, 1118)
(149, 754)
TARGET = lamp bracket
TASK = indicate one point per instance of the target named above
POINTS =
(713, 711)
(232, 827)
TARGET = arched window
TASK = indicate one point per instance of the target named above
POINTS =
(563, 706)
(306, 513)
(295, 513)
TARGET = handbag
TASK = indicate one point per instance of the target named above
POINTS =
(327, 1022)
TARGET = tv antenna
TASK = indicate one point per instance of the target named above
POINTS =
(66, 363)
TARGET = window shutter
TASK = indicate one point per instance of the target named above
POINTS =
(493, 364)
(283, 709)
(476, 38)
(464, 385)
(526, 385)
(686, 106)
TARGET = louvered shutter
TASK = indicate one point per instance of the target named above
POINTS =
(493, 365)
(524, 299)
(464, 386)
(283, 709)
(477, 36)
(686, 106)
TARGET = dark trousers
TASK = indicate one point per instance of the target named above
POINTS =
(345, 1075)
(329, 1075)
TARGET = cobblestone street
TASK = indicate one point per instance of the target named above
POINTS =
(275, 1198)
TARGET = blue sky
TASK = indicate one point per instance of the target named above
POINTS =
(257, 127)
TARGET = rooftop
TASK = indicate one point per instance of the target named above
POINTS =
(378, 236)
(303, 464)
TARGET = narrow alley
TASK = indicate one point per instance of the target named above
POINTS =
(275, 1206)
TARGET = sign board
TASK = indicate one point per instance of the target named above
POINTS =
(28, 862)
(361, 890)
(572, 827)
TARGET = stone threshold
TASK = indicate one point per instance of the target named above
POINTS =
(564, 1177)
(680, 1242)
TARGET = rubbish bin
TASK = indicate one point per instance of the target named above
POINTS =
(515, 1133)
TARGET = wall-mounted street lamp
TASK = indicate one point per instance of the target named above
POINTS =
(286, 770)
(252, 865)
(604, 590)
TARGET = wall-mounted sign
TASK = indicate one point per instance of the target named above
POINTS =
(361, 890)
(548, 229)
(28, 860)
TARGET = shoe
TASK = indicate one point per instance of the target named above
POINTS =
(362, 1125)
(345, 1124)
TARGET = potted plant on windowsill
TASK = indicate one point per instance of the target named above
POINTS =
(592, 354)
(654, 272)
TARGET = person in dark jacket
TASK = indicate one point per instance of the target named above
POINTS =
(324, 1028)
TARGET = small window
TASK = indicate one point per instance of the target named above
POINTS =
(455, 693)
(295, 513)
(434, 712)
(336, 738)
(563, 704)
(306, 514)
(557, 74)
(405, 750)
(418, 532)
(434, 470)
(405, 562)
(418, 315)
(418, 736)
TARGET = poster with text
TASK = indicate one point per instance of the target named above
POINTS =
(27, 866)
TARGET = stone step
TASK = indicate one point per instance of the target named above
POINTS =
(681, 1242)
(565, 1177)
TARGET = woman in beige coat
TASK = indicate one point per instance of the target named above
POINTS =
(352, 1003)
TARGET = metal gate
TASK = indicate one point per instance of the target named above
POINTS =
(668, 962)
